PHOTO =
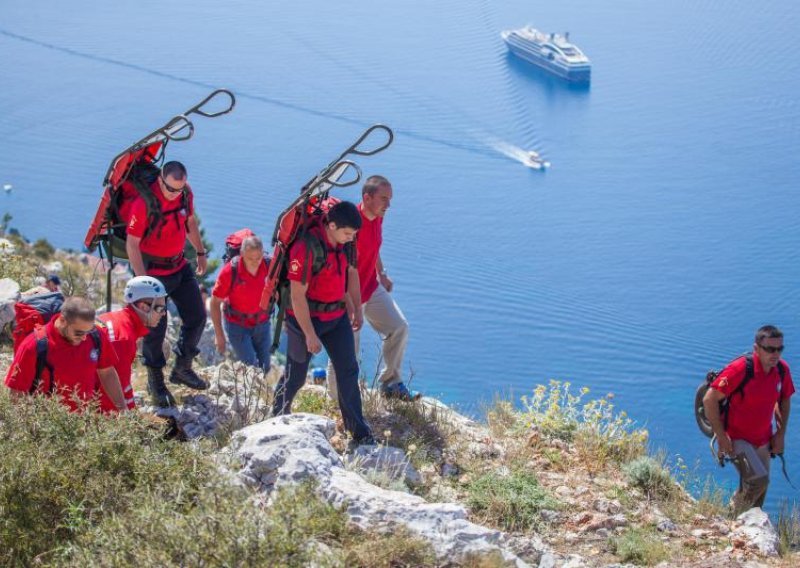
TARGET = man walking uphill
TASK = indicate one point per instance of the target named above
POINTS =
(155, 244)
(321, 315)
(378, 307)
(758, 388)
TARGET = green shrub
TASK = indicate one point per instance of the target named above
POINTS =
(640, 546)
(650, 476)
(87, 490)
(512, 502)
(43, 249)
(788, 528)
(20, 268)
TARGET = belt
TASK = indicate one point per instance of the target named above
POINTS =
(162, 262)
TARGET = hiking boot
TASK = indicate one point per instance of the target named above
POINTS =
(400, 392)
(159, 393)
(182, 374)
(367, 440)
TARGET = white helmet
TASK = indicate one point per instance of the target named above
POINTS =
(141, 287)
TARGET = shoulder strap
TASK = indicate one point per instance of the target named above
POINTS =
(41, 363)
(749, 373)
(234, 273)
(316, 256)
(95, 335)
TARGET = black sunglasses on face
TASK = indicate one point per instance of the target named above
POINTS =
(770, 349)
(157, 308)
(169, 187)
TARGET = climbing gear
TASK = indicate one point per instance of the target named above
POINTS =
(131, 174)
(724, 406)
(783, 468)
(159, 393)
(297, 219)
(143, 287)
(183, 374)
(33, 312)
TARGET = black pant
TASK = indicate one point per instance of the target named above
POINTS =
(183, 289)
(337, 338)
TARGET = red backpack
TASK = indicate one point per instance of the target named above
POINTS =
(34, 311)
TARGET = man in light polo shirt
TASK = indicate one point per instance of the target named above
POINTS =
(73, 353)
(379, 308)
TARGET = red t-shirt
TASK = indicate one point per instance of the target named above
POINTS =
(245, 295)
(329, 284)
(74, 366)
(124, 328)
(170, 239)
(750, 416)
(368, 243)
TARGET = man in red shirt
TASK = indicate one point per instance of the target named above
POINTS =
(237, 293)
(378, 307)
(747, 433)
(155, 244)
(145, 299)
(320, 314)
(67, 356)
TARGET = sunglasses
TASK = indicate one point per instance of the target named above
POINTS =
(157, 308)
(770, 349)
(80, 332)
(169, 187)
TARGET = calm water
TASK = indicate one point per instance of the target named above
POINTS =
(661, 238)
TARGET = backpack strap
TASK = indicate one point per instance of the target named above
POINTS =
(234, 273)
(42, 363)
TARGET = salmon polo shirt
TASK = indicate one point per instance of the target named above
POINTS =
(329, 284)
(74, 366)
(124, 327)
(750, 412)
(167, 239)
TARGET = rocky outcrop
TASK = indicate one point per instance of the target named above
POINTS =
(9, 294)
(290, 449)
(754, 531)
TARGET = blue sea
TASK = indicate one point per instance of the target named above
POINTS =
(664, 234)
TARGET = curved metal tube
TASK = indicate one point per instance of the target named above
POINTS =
(354, 149)
(198, 108)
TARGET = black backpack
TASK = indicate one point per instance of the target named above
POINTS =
(724, 406)
(316, 257)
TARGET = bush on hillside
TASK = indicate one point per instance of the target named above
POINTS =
(650, 476)
(84, 489)
(512, 502)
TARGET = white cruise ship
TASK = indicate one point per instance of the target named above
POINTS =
(552, 52)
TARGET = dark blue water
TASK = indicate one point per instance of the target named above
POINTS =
(663, 236)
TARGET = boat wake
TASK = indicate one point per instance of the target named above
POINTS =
(527, 158)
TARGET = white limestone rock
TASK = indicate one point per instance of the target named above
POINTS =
(9, 295)
(389, 461)
(755, 528)
(289, 449)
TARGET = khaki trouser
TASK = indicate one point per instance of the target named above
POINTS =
(385, 317)
(751, 493)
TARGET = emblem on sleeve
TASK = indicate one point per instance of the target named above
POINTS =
(94, 355)
(294, 266)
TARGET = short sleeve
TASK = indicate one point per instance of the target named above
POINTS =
(23, 368)
(730, 377)
(223, 283)
(298, 258)
(108, 356)
(137, 224)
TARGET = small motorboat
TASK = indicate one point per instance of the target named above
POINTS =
(536, 162)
